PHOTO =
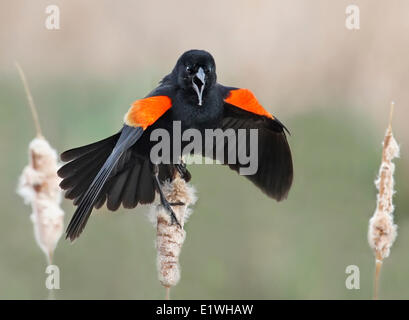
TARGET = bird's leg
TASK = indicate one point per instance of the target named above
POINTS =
(165, 203)
(181, 168)
(182, 171)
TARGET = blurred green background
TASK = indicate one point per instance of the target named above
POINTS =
(240, 244)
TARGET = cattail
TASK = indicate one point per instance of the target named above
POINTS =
(382, 230)
(170, 237)
(39, 187)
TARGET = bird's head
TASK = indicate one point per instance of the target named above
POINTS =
(196, 72)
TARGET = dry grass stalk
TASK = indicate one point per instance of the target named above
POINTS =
(382, 230)
(30, 100)
(170, 237)
(39, 187)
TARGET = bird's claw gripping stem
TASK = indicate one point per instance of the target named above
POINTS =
(179, 203)
(164, 202)
(172, 214)
(181, 168)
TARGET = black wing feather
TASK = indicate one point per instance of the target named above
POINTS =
(128, 137)
(81, 151)
(111, 171)
(275, 167)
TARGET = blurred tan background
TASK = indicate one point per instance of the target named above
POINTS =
(331, 86)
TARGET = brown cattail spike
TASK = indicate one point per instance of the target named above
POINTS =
(39, 186)
(382, 230)
(170, 237)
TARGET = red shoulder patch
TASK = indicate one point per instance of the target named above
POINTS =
(145, 112)
(246, 100)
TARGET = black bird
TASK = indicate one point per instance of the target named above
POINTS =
(119, 170)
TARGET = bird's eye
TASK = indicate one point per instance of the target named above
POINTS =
(189, 69)
(207, 69)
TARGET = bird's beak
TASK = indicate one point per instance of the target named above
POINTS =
(198, 82)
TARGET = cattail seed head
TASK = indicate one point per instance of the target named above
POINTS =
(170, 237)
(382, 231)
(39, 187)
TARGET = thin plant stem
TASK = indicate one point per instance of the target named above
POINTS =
(377, 276)
(391, 114)
(30, 100)
(51, 294)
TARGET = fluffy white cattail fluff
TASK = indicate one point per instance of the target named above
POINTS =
(170, 237)
(382, 230)
(39, 187)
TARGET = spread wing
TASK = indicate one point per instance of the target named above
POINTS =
(274, 173)
(111, 170)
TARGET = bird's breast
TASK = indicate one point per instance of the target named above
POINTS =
(191, 115)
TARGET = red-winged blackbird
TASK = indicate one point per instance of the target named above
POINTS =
(119, 170)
